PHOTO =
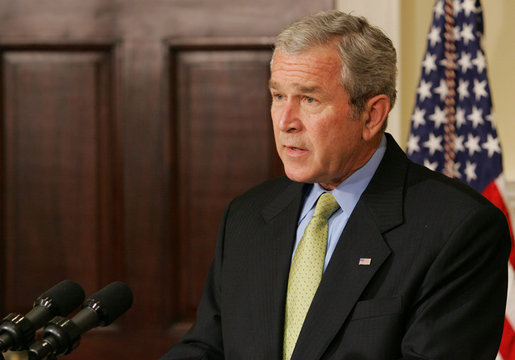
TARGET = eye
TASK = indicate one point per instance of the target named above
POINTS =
(277, 96)
(309, 99)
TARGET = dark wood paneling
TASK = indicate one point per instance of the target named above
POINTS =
(58, 178)
(222, 149)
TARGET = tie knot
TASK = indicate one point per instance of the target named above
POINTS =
(326, 206)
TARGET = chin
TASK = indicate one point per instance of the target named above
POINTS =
(295, 176)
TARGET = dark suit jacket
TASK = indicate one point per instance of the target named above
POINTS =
(435, 287)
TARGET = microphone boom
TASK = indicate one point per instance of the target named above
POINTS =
(62, 335)
(17, 331)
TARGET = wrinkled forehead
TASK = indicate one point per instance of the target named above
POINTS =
(306, 69)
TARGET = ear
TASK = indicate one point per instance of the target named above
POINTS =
(375, 114)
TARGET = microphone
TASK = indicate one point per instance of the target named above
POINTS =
(17, 331)
(62, 335)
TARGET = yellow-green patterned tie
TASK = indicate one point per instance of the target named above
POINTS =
(306, 271)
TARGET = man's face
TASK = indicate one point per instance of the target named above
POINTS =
(316, 135)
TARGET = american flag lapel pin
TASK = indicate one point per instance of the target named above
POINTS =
(365, 261)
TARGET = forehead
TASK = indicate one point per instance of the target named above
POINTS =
(318, 66)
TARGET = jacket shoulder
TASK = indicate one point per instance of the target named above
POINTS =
(437, 187)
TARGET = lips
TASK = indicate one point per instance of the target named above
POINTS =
(293, 150)
(293, 147)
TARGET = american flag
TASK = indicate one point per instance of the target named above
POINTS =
(452, 128)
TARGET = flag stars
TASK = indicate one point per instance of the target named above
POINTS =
(433, 144)
(472, 144)
(439, 11)
(438, 117)
(456, 7)
(469, 6)
(479, 62)
(476, 117)
(424, 90)
(434, 36)
(467, 33)
(429, 63)
(418, 117)
(465, 62)
(480, 89)
(457, 33)
(412, 145)
(458, 143)
(463, 90)
(431, 165)
(460, 117)
(442, 90)
(470, 171)
(492, 145)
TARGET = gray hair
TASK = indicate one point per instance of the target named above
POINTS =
(367, 55)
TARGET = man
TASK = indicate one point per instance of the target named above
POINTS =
(414, 264)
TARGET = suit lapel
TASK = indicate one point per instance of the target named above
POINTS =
(379, 210)
(342, 283)
(269, 265)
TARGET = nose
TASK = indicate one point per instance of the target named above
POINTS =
(288, 117)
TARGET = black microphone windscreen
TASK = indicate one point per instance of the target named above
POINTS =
(65, 297)
(113, 300)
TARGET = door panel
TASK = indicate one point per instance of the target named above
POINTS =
(221, 150)
(57, 174)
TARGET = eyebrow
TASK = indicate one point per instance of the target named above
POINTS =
(310, 89)
(303, 89)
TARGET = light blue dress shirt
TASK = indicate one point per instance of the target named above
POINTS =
(346, 194)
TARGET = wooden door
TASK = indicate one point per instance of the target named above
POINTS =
(126, 128)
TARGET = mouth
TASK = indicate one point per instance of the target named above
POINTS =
(294, 147)
(294, 150)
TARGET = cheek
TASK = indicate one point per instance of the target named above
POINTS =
(332, 139)
(322, 132)
(274, 120)
(275, 114)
